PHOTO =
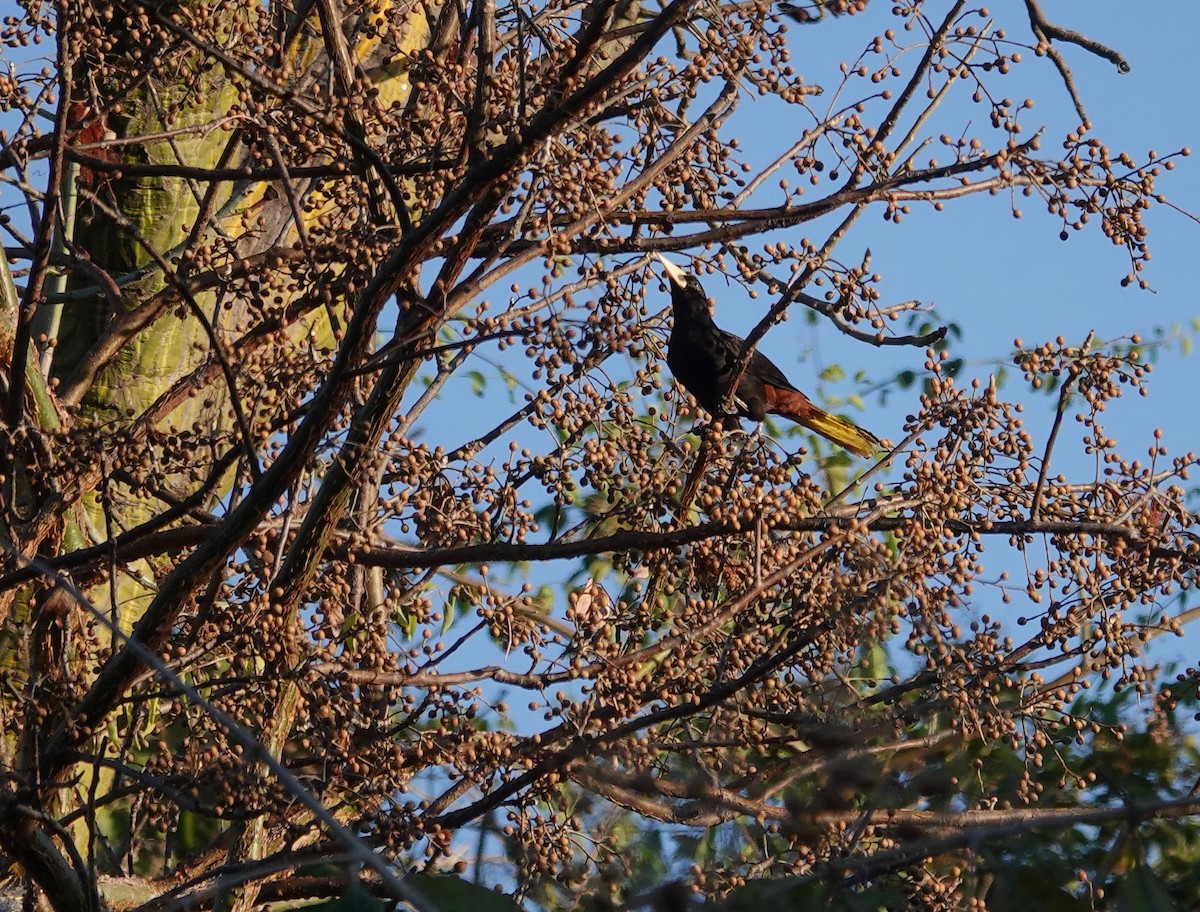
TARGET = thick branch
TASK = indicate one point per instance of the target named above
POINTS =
(399, 558)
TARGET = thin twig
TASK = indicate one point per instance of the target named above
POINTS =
(1047, 33)
(1064, 396)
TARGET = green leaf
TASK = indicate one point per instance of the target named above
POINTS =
(833, 372)
(875, 662)
(544, 598)
(1022, 889)
(448, 893)
(706, 847)
(1141, 890)
(406, 621)
(510, 383)
(459, 603)
(355, 899)
(788, 894)
(478, 382)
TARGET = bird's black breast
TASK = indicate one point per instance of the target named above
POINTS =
(703, 358)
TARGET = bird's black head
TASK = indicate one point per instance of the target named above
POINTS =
(688, 299)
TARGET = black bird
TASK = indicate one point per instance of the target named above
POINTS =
(702, 357)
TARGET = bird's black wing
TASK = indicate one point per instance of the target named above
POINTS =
(761, 367)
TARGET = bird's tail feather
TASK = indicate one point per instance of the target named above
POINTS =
(841, 432)
(795, 407)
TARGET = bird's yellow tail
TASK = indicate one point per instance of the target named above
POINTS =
(840, 431)
(795, 406)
